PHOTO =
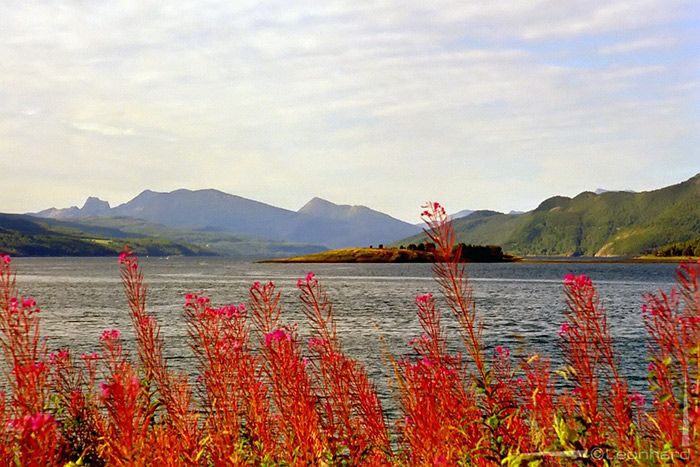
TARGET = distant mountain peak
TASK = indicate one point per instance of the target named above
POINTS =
(553, 202)
(600, 191)
(462, 213)
(94, 206)
(315, 204)
(324, 208)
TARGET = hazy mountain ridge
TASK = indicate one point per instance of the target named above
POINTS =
(607, 223)
(212, 239)
(610, 223)
(318, 222)
(24, 235)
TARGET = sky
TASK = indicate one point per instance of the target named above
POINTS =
(480, 104)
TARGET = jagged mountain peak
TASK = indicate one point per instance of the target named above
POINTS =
(94, 206)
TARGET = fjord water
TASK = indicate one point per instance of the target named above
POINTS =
(521, 304)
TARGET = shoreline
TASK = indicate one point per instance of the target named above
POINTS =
(377, 255)
(612, 260)
(388, 256)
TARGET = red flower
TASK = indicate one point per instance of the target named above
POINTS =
(564, 329)
(424, 299)
(110, 334)
(276, 336)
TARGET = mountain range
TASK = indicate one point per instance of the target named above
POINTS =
(318, 222)
(211, 221)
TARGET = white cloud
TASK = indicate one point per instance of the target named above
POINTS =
(105, 130)
(282, 102)
(638, 44)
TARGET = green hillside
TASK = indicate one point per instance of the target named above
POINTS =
(611, 223)
(211, 239)
(22, 235)
(28, 236)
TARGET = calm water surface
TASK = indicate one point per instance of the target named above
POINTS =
(521, 304)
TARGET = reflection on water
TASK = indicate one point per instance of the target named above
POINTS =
(520, 304)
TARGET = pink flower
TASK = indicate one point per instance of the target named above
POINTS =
(189, 297)
(227, 344)
(564, 329)
(638, 399)
(203, 300)
(308, 280)
(583, 281)
(61, 355)
(256, 285)
(105, 390)
(14, 423)
(125, 256)
(31, 423)
(28, 302)
(6, 259)
(305, 361)
(40, 420)
(276, 336)
(502, 351)
(315, 343)
(230, 311)
(424, 299)
(578, 281)
(110, 334)
(89, 356)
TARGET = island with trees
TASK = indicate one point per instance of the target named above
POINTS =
(413, 253)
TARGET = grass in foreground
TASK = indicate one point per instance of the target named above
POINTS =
(266, 398)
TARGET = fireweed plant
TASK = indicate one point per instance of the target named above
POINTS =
(264, 397)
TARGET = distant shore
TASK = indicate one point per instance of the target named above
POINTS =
(373, 255)
(397, 255)
(611, 259)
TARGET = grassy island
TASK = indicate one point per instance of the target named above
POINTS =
(471, 253)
